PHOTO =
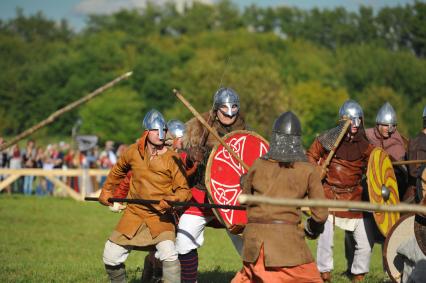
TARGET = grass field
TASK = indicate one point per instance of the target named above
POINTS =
(61, 240)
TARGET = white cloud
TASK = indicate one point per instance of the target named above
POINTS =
(110, 6)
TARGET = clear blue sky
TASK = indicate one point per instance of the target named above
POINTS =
(75, 10)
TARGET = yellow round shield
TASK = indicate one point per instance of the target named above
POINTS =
(382, 188)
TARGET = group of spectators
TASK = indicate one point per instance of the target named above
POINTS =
(60, 155)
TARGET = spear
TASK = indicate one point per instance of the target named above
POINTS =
(63, 110)
(304, 204)
(333, 149)
(328, 203)
(405, 162)
(172, 203)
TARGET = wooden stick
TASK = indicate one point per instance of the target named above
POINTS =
(9, 180)
(405, 162)
(63, 110)
(210, 129)
(327, 203)
(53, 172)
(333, 150)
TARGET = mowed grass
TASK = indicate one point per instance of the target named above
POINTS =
(60, 240)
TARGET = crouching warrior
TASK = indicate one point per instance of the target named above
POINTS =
(224, 118)
(156, 175)
(274, 246)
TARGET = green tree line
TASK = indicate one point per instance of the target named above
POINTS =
(277, 59)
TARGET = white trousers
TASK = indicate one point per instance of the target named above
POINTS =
(358, 248)
(115, 254)
(190, 234)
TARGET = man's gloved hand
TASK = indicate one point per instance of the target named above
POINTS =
(164, 205)
(313, 229)
(104, 196)
(117, 207)
(196, 154)
(236, 229)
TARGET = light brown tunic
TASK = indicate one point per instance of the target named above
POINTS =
(284, 243)
(152, 180)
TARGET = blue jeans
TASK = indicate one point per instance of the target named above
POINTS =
(49, 187)
(28, 185)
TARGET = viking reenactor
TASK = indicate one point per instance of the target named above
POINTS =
(413, 252)
(174, 136)
(274, 246)
(343, 182)
(417, 151)
(156, 175)
(224, 117)
(386, 136)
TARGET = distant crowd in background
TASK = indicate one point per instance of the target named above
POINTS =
(60, 155)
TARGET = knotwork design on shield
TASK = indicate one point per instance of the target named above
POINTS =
(224, 172)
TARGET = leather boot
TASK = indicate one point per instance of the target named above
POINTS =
(326, 276)
(117, 274)
(148, 270)
(171, 271)
(358, 278)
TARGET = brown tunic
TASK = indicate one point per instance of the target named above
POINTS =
(343, 179)
(276, 227)
(394, 145)
(152, 180)
(416, 151)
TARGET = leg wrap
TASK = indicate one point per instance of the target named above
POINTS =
(189, 266)
(117, 273)
(171, 271)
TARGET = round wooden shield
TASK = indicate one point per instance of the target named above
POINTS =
(223, 172)
(382, 188)
(402, 231)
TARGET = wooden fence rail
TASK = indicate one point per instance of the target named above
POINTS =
(11, 175)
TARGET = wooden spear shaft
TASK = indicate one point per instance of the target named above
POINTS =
(405, 162)
(327, 203)
(333, 150)
(210, 129)
(63, 110)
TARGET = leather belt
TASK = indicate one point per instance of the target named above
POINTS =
(339, 190)
(270, 221)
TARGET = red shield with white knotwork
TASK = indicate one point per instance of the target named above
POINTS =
(223, 172)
